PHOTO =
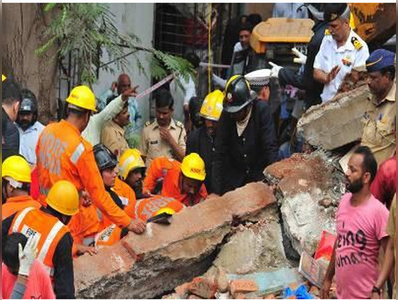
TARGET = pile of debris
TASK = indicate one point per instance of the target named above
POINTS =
(249, 233)
(222, 286)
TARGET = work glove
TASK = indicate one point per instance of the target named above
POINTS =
(28, 255)
(301, 58)
(275, 69)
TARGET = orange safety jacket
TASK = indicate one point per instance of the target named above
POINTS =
(148, 207)
(15, 204)
(169, 170)
(63, 154)
(91, 226)
(30, 221)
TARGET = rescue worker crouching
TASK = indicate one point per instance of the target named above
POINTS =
(15, 172)
(91, 227)
(63, 154)
(132, 172)
(55, 244)
(181, 181)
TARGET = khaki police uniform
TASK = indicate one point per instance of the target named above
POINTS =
(112, 136)
(379, 127)
(152, 145)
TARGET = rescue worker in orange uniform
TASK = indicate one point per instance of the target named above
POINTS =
(63, 154)
(98, 229)
(181, 181)
(132, 171)
(15, 172)
(55, 244)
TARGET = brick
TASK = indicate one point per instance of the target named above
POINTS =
(242, 286)
(182, 290)
(203, 288)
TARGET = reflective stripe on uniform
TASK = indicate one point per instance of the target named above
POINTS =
(20, 218)
(49, 240)
(77, 153)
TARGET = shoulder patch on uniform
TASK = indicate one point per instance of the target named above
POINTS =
(179, 124)
(357, 44)
(147, 123)
(327, 32)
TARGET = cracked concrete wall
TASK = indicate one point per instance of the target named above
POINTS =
(146, 266)
(254, 247)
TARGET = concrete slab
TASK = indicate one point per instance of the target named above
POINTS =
(337, 122)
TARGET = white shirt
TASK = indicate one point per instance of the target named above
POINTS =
(28, 141)
(182, 96)
(289, 10)
(346, 56)
(92, 133)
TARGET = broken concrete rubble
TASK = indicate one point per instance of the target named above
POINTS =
(254, 248)
(208, 235)
(249, 286)
(303, 181)
(146, 266)
(337, 122)
(203, 288)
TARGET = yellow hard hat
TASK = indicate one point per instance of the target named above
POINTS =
(3, 78)
(166, 210)
(193, 167)
(130, 160)
(82, 96)
(17, 168)
(212, 106)
(64, 198)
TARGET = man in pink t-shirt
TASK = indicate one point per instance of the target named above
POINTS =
(361, 230)
(33, 282)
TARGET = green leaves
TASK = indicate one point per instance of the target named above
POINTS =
(87, 31)
(49, 6)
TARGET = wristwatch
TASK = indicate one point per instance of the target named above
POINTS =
(377, 290)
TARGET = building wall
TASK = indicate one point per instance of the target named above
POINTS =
(137, 19)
